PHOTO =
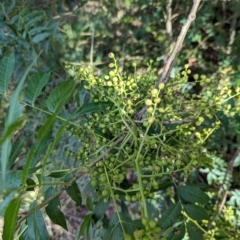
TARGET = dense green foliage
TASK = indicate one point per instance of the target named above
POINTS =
(81, 113)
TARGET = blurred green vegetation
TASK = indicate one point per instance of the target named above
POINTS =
(85, 32)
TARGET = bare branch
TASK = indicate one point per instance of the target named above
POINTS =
(178, 45)
(168, 122)
(171, 60)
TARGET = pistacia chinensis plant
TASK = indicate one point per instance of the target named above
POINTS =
(142, 144)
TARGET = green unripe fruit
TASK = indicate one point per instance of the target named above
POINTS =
(103, 178)
(134, 198)
(94, 183)
(128, 198)
(87, 169)
(157, 229)
(157, 100)
(105, 192)
(138, 233)
(151, 120)
(152, 224)
(111, 55)
(144, 221)
(150, 109)
(148, 102)
(154, 92)
(161, 86)
(127, 237)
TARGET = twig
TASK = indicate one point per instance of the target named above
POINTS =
(233, 32)
(169, 122)
(81, 172)
(92, 46)
(178, 45)
(169, 18)
(171, 60)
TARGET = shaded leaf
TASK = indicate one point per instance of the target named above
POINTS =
(34, 155)
(93, 107)
(194, 232)
(170, 215)
(16, 149)
(14, 110)
(37, 229)
(75, 194)
(53, 209)
(13, 127)
(100, 208)
(85, 225)
(60, 96)
(41, 36)
(5, 203)
(10, 218)
(114, 231)
(46, 128)
(6, 70)
(58, 173)
(177, 233)
(195, 212)
(193, 194)
(89, 204)
(35, 85)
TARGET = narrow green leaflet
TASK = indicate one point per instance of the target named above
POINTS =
(53, 209)
(37, 229)
(93, 107)
(89, 204)
(195, 212)
(60, 96)
(193, 194)
(100, 208)
(75, 194)
(4, 203)
(35, 154)
(58, 173)
(14, 111)
(170, 216)
(10, 218)
(85, 225)
(16, 149)
(114, 231)
(6, 70)
(194, 232)
(130, 225)
(35, 85)
(8, 131)
(41, 36)
(47, 127)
